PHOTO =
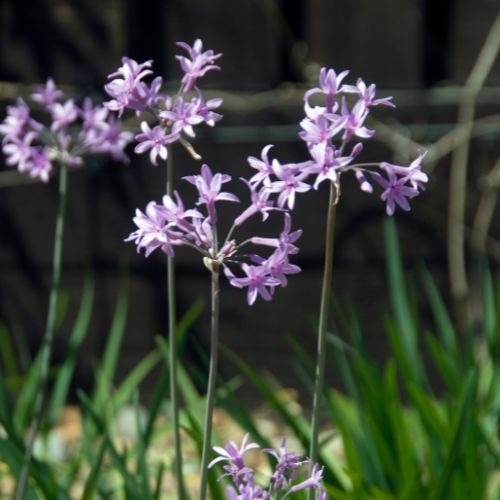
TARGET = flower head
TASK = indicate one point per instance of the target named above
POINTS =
(196, 64)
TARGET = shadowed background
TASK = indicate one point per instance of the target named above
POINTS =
(419, 51)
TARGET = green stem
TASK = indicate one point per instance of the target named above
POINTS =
(212, 376)
(326, 292)
(48, 338)
(172, 343)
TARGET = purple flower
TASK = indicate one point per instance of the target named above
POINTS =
(153, 232)
(320, 129)
(290, 182)
(258, 280)
(354, 124)
(19, 150)
(413, 173)
(18, 119)
(183, 116)
(233, 453)
(286, 466)
(330, 85)
(395, 192)
(197, 64)
(209, 190)
(312, 482)
(260, 203)
(279, 266)
(326, 163)
(286, 239)
(63, 115)
(47, 95)
(127, 88)
(367, 94)
(39, 164)
(155, 141)
(174, 212)
(263, 167)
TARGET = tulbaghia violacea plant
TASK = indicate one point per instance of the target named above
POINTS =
(63, 135)
(332, 129)
(281, 484)
(173, 117)
(169, 225)
(69, 133)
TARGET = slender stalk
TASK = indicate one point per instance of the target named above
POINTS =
(48, 338)
(457, 268)
(172, 343)
(326, 292)
(212, 376)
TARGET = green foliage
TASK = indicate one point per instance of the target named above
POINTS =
(393, 432)
(402, 436)
(101, 465)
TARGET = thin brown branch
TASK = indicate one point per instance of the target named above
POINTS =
(458, 177)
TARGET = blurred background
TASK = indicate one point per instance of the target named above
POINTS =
(419, 51)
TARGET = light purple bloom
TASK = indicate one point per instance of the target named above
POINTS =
(233, 453)
(127, 88)
(288, 184)
(263, 167)
(286, 466)
(312, 482)
(413, 173)
(286, 238)
(63, 114)
(18, 151)
(155, 141)
(174, 212)
(354, 124)
(197, 64)
(395, 192)
(39, 164)
(18, 119)
(329, 85)
(153, 232)
(258, 280)
(326, 163)
(209, 188)
(260, 203)
(47, 95)
(367, 94)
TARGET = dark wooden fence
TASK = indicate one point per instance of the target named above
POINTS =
(271, 50)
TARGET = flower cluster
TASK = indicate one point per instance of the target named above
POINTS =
(73, 131)
(281, 483)
(169, 224)
(176, 116)
(334, 120)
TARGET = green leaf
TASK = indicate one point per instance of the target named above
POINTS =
(92, 478)
(443, 321)
(407, 333)
(107, 367)
(63, 375)
(131, 382)
(463, 425)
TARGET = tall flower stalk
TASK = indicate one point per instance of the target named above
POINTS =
(335, 115)
(35, 148)
(273, 187)
(48, 338)
(175, 119)
(326, 293)
(172, 338)
(212, 378)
